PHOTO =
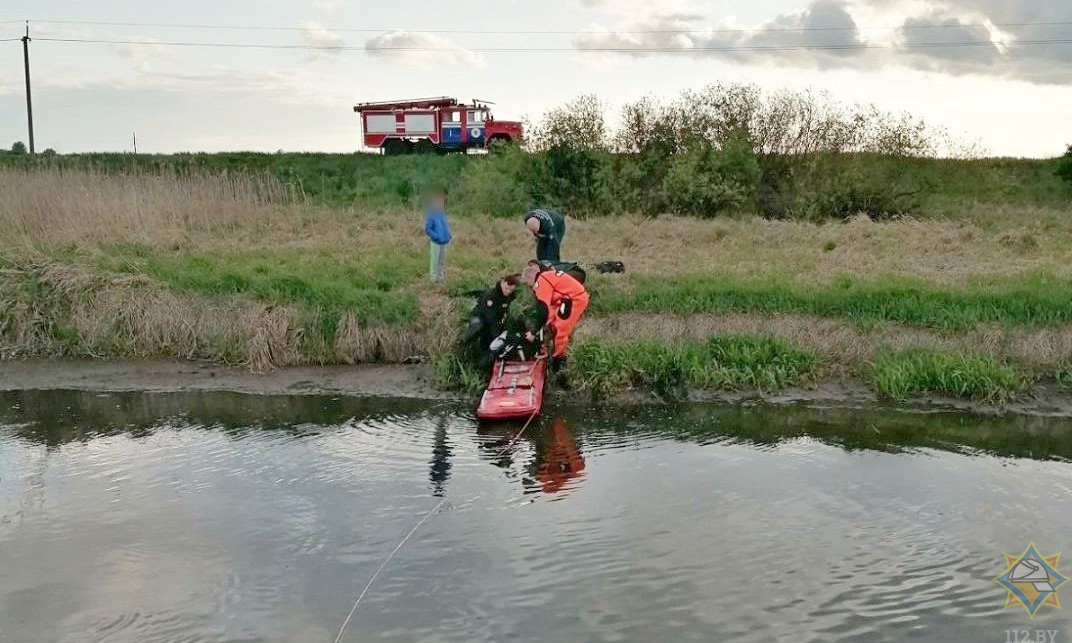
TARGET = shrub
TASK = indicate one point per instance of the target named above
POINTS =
(577, 125)
(1064, 166)
(707, 181)
(495, 184)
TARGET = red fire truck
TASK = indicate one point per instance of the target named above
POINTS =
(426, 125)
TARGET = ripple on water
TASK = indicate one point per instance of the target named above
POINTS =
(196, 531)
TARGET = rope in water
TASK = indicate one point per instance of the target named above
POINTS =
(423, 520)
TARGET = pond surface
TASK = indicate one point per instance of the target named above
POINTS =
(222, 517)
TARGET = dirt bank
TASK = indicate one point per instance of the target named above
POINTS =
(416, 382)
(166, 376)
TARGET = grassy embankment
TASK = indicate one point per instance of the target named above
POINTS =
(265, 270)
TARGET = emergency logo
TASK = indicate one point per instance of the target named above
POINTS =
(1031, 580)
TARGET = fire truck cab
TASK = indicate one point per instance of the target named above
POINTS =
(427, 125)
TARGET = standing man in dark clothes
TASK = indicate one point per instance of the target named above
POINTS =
(548, 227)
(488, 318)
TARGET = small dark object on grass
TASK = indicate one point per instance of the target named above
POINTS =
(413, 359)
(610, 266)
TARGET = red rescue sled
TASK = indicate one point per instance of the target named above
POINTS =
(515, 391)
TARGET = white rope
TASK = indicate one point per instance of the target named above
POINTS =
(384, 566)
(423, 520)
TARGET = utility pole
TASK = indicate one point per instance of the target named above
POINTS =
(29, 99)
(135, 135)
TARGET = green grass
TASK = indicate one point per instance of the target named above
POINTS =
(323, 284)
(455, 374)
(1030, 300)
(367, 180)
(1064, 376)
(489, 184)
(902, 374)
(670, 368)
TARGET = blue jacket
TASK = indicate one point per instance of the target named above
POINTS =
(435, 226)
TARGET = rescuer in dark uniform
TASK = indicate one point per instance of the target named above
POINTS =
(548, 227)
(488, 318)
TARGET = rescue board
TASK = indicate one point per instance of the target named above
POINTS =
(515, 390)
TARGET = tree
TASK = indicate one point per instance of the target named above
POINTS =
(18, 148)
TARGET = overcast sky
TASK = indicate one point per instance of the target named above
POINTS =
(1014, 97)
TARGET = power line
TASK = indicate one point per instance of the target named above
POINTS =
(727, 48)
(547, 32)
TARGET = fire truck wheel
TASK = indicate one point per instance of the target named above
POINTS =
(394, 146)
(424, 146)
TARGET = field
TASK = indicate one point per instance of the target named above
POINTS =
(275, 260)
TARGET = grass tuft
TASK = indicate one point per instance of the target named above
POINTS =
(453, 373)
(670, 368)
(902, 374)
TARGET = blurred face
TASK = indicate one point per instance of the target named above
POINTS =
(507, 288)
(436, 200)
(533, 225)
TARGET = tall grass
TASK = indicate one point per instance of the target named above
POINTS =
(903, 374)
(670, 368)
(54, 206)
(365, 180)
(239, 268)
(1030, 300)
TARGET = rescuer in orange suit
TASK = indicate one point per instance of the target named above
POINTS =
(561, 461)
(561, 300)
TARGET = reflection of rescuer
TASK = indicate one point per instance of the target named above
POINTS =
(561, 461)
(548, 227)
(561, 300)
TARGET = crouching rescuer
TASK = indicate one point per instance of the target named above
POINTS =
(561, 300)
(488, 319)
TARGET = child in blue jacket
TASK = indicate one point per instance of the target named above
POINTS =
(435, 226)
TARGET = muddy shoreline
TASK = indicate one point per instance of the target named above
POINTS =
(417, 382)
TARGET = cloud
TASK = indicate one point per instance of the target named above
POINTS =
(1013, 30)
(420, 49)
(144, 54)
(630, 9)
(924, 32)
(313, 34)
(825, 34)
(790, 38)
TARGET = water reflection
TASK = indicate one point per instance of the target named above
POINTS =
(440, 463)
(221, 517)
(53, 418)
(556, 463)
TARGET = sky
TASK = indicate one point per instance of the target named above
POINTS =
(1010, 90)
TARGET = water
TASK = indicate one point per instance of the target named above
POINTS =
(219, 517)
